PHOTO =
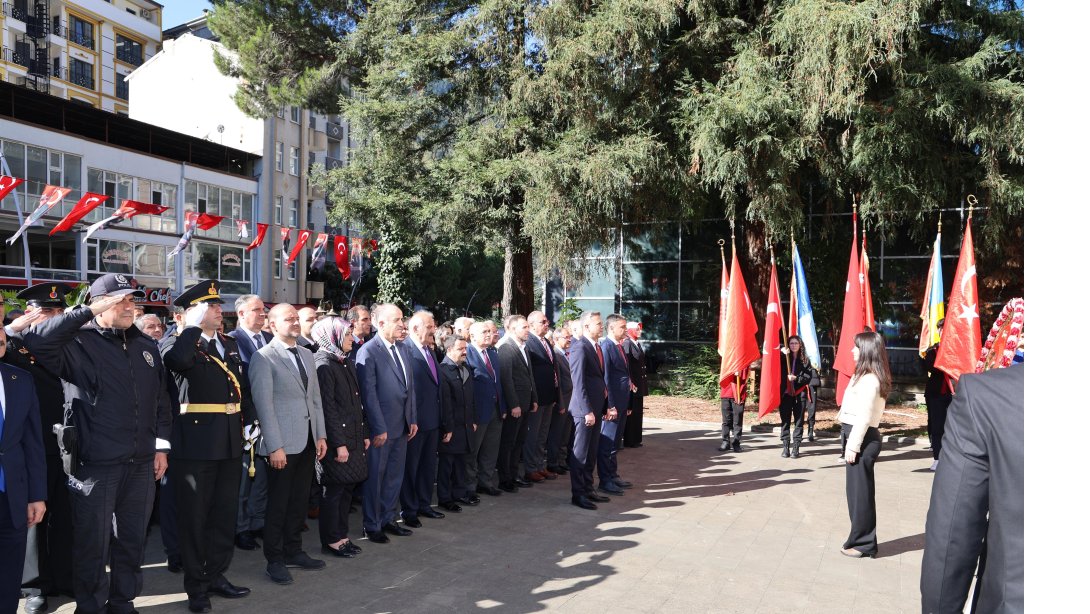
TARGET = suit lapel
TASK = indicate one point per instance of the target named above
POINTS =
(11, 404)
(289, 362)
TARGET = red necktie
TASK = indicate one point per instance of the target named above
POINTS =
(601, 361)
(488, 364)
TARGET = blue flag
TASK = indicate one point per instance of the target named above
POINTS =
(805, 328)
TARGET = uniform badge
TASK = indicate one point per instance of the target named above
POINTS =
(53, 294)
(149, 359)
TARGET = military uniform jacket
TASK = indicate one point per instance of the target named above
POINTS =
(207, 436)
(49, 387)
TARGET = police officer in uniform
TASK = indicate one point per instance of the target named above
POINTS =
(206, 443)
(54, 533)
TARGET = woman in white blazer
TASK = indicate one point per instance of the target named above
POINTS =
(860, 415)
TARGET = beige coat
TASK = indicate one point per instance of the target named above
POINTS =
(862, 408)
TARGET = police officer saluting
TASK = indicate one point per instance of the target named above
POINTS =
(54, 533)
(117, 385)
(206, 443)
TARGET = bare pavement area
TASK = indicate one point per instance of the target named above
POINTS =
(701, 531)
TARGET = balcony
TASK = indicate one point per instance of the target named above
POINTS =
(121, 89)
(81, 80)
(334, 131)
(130, 56)
(332, 163)
(81, 40)
(15, 12)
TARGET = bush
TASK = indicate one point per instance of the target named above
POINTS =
(694, 374)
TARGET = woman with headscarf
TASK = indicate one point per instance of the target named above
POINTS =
(347, 433)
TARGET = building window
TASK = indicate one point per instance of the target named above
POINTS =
(291, 270)
(121, 88)
(41, 167)
(293, 161)
(293, 213)
(81, 32)
(129, 51)
(278, 270)
(214, 200)
(228, 263)
(81, 73)
(278, 212)
(279, 156)
(295, 115)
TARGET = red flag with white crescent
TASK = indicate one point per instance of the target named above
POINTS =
(340, 252)
(301, 240)
(959, 348)
(7, 184)
(207, 221)
(128, 210)
(770, 359)
(88, 202)
(851, 323)
(50, 197)
(261, 230)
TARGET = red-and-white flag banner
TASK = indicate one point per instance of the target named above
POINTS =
(724, 285)
(300, 242)
(372, 247)
(285, 243)
(340, 255)
(128, 210)
(770, 353)
(357, 246)
(86, 203)
(51, 196)
(261, 230)
(959, 348)
(851, 322)
(243, 229)
(207, 221)
(7, 184)
(188, 227)
(741, 347)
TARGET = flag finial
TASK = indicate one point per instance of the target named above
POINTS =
(972, 203)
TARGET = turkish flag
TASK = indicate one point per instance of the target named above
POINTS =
(724, 285)
(770, 361)
(261, 230)
(740, 346)
(851, 323)
(207, 221)
(7, 184)
(340, 251)
(88, 202)
(51, 196)
(959, 348)
(868, 302)
(300, 242)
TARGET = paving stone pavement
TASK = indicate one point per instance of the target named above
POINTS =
(701, 531)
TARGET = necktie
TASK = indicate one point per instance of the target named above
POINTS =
(213, 349)
(548, 352)
(488, 364)
(431, 364)
(397, 360)
(620, 350)
(3, 485)
(601, 361)
(299, 363)
(259, 341)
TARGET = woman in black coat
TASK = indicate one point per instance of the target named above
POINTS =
(455, 425)
(347, 434)
(795, 375)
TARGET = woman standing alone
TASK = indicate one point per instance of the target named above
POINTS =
(860, 415)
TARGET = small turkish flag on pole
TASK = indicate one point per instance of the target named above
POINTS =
(959, 348)
(851, 323)
(770, 360)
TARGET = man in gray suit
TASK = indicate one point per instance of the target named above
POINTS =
(975, 522)
(284, 387)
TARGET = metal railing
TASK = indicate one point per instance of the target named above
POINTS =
(121, 88)
(129, 56)
(83, 41)
(81, 80)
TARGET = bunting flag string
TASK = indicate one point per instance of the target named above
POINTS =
(87, 203)
(260, 238)
(50, 197)
(128, 210)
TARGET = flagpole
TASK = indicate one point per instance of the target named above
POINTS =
(19, 211)
(734, 254)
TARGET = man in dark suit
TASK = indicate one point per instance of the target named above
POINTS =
(561, 427)
(308, 317)
(518, 389)
(546, 384)
(490, 410)
(976, 519)
(22, 474)
(206, 443)
(637, 370)
(386, 384)
(53, 536)
(421, 452)
(253, 489)
(620, 387)
(284, 385)
(456, 425)
(588, 405)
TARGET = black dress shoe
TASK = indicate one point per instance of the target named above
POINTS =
(622, 483)
(36, 604)
(174, 564)
(468, 500)
(223, 588)
(343, 551)
(353, 548)
(200, 603)
(379, 537)
(303, 561)
(636, 445)
(491, 492)
(584, 503)
(428, 512)
(737, 446)
(523, 483)
(508, 487)
(392, 529)
(451, 506)
(597, 498)
(278, 572)
(611, 489)
(410, 521)
(245, 541)
(724, 445)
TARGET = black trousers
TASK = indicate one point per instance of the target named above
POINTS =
(512, 440)
(54, 533)
(420, 466)
(936, 420)
(451, 483)
(333, 512)
(206, 496)
(731, 412)
(13, 534)
(811, 411)
(168, 515)
(583, 454)
(860, 490)
(122, 493)
(560, 432)
(633, 428)
(791, 411)
(286, 511)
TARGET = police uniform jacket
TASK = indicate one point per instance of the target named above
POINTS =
(49, 387)
(198, 435)
(116, 382)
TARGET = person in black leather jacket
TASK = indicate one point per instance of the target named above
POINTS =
(796, 374)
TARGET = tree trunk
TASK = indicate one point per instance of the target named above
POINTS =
(518, 280)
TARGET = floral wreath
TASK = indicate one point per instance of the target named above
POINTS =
(1008, 327)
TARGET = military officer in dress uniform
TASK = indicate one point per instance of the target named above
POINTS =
(206, 444)
(54, 533)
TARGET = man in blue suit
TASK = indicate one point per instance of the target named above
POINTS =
(488, 399)
(620, 389)
(386, 384)
(22, 474)
(588, 403)
(422, 451)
